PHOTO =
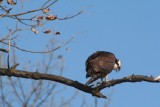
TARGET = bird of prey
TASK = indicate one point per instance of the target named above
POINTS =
(100, 64)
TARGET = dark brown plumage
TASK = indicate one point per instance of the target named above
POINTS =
(99, 64)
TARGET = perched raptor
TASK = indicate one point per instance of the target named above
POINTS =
(100, 64)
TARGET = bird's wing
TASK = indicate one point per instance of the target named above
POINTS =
(89, 68)
(103, 64)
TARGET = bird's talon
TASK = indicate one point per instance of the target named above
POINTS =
(108, 82)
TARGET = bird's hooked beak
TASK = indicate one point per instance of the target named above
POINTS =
(118, 65)
(118, 68)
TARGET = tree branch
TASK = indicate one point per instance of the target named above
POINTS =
(93, 91)
(40, 52)
(132, 78)
(27, 12)
(51, 77)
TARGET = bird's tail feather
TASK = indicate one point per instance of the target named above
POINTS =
(93, 78)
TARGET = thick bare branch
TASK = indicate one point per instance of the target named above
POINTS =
(93, 91)
(51, 77)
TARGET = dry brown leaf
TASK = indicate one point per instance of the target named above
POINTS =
(34, 31)
(57, 33)
(67, 49)
(38, 23)
(50, 17)
(11, 2)
(47, 31)
(1, 1)
(46, 10)
(40, 17)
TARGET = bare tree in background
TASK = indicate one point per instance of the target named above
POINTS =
(39, 93)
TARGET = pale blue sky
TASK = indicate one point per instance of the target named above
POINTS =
(128, 28)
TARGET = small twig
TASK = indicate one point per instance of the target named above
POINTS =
(15, 91)
(20, 20)
(7, 11)
(28, 12)
(25, 18)
(3, 50)
(3, 95)
(14, 66)
(45, 3)
(69, 99)
(4, 38)
(9, 46)
(11, 33)
(49, 4)
(44, 98)
(41, 52)
(69, 17)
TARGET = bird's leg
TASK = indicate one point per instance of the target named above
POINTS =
(95, 84)
(105, 79)
(98, 83)
(102, 80)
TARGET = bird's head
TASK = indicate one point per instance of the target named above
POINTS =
(117, 65)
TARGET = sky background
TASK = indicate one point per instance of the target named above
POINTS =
(130, 29)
